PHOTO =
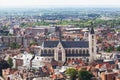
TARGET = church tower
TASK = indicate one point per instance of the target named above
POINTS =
(92, 45)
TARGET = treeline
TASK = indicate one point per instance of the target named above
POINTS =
(77, 23)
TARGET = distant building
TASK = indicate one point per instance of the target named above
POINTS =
(109, 75)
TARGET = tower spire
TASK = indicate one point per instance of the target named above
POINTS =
(92, 43)
(58, 31)
(60, 34)
(92, 29)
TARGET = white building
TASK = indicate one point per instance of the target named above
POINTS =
(26, 57)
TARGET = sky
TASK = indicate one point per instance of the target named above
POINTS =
(48, 3)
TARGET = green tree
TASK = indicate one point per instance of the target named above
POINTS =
(3, 65)
(84, 75)
(71, 72)
(110, 49)
(4, 27)
(10, 62)
(15, 45)
(10, 34)
(118, 48)
(24, 25)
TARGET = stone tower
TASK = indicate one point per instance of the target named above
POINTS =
(92, 45)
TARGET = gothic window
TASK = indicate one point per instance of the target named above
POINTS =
(76, 51)
(69, 59)
(45, 51)
(92, 42)
(49, 51)
(41, 51)
(80, 52)
(59, 55)
(69, 52)
(72, 51)
(87, 52)
(83, 51)
(66, 51)
(52, 51)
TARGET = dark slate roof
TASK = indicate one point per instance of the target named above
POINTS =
(46, 54)
(50, 44)
(67, 44)
(117, 56)
(111, 62)
(77, 55)
(75, 44)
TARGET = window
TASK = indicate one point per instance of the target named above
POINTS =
(80, 52)
(92, 49)
(59, 55)
(69, 52)
(52, 51)
(41, 51)
(83, 51)
(49, 51)
(92, 36)
(73, 51)
(76, 51)
(66, 51)
(87, 52)
(45, 51)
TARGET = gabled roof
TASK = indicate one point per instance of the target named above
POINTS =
(66, 44)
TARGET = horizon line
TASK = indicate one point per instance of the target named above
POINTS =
(63, 6)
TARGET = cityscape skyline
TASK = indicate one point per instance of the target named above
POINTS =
(59, 40)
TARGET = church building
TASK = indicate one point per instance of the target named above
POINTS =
(70, 50)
